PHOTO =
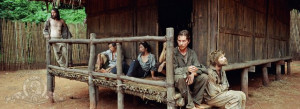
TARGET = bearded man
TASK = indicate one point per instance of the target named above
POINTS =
(56, 28)
(217, 93)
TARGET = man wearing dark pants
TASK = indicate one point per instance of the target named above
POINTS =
(190, 78)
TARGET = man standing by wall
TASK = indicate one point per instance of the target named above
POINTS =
(190, 78)
(56, 28)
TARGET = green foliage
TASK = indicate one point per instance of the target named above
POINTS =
(36, 11)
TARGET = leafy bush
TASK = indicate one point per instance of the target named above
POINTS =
(36, 11)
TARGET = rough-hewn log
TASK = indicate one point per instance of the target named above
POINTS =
(50, 77)
(244, 81)
(278, 70)
(144, 81)
(265, 78)
(288, 67)
(93, 103)
(108, 40)
(169, 69)
(68, 69)
(252, 63)
(119, 82)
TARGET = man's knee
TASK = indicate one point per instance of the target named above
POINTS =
(202, 78)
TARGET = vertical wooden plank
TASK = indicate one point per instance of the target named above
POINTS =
(244, 81)
(91, 67)
(169, 68)
(213, 24)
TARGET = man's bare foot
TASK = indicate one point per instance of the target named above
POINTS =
(155, 78)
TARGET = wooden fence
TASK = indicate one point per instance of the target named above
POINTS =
(22, 45)
(295, 34)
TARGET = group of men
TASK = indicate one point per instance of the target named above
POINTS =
(194, 81)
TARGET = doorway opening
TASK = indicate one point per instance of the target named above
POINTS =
(176, 14)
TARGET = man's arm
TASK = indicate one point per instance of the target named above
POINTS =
(46, 30)
(195, 62)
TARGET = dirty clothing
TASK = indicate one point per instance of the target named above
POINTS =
(141, 69)
(107, 60)
(217, 93)
(59, 30)
(60, 53)
(192, 93)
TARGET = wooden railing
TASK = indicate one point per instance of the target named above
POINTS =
(93, 90)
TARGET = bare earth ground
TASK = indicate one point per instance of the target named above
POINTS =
(26, 89)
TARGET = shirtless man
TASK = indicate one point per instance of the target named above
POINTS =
(56, 28)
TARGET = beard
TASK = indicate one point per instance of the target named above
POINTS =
(222, 63)
(53, 17)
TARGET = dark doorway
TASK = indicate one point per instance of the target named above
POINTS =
(176, 14)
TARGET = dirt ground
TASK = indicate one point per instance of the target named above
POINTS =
(26, 89)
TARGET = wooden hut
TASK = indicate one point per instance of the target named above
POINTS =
(251, 32)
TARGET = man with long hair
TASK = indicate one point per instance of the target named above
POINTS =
(217, 93)
(56, 28)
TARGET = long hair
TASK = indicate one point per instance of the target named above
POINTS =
(214, 56)
(57, 13)
(146, 45)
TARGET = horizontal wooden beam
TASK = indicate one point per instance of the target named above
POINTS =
(68, 69)
(110, 40)
(252, 63)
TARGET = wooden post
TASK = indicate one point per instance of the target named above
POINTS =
(278, 70)
(244, 81)
(169, 69)
(67, 58)
(119, 82)
(288, 67)
(50, 77)
(265, 78)
(91, 67)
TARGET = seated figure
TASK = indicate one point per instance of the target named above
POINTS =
(217, 93)
(145, 63)
(107, 60)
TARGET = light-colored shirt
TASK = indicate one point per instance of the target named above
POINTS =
(216, 84)
(112, 59)
(149, 65)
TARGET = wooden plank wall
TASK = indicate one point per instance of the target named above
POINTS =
(200, 29)
(248, 29)
(122, 18)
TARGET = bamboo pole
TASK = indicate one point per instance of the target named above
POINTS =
(109, 40)
(265, 78)
(119, 82)
(244, 81)
(93, 103)
(169, 68)
(50, 77)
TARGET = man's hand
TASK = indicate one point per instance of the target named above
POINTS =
(190, 79)
(192, 69)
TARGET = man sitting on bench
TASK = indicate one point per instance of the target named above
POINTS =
(190, 78)
(217, 93)
(107, 60)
